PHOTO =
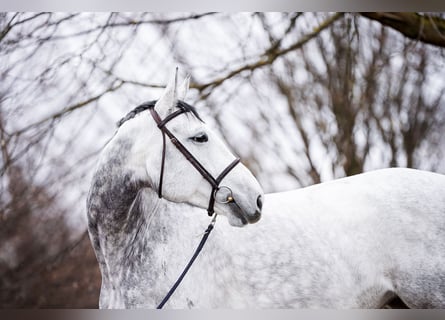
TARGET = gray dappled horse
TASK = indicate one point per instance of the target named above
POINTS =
(355, 242)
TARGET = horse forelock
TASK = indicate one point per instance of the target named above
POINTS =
(150, 104)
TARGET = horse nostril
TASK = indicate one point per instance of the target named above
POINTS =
(259, 202)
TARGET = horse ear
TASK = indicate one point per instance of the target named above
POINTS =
(169, 97)
(184, 88)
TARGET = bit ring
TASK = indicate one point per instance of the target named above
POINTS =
(229, 197)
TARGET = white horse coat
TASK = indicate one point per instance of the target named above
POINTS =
(354, 242)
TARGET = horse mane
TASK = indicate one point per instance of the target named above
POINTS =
(150, 104)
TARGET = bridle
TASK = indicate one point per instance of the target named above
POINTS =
(214, 182)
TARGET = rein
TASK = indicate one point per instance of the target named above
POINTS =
(214, 182)
(187, 267)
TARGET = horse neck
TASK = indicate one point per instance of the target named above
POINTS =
(120, 174)
(143, 235)
(119, 177)
(124, 209)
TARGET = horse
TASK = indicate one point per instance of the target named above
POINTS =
(354, 242)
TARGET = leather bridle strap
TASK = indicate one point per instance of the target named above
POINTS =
(204, 238)
(196, 164)
(205, 174)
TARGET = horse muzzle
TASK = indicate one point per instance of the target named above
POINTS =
(256, 216)
(245, 216)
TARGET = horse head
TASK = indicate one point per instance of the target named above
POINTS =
(187, 162)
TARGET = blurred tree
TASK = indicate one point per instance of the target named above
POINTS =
(426, 27)
(359, 95)
(364, 105)
(35, 242)
(302, 97)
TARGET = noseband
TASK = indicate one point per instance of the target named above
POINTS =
(214, 182)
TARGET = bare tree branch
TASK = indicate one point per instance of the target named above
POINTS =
(269, 56)
(131, 22)
(68, 109)
(423, 27)
(286, 90)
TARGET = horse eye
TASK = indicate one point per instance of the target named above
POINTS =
(200, 138)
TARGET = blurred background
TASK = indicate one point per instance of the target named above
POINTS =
(302, 98)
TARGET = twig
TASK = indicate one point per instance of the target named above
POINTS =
(68, 109)
(269, 56)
